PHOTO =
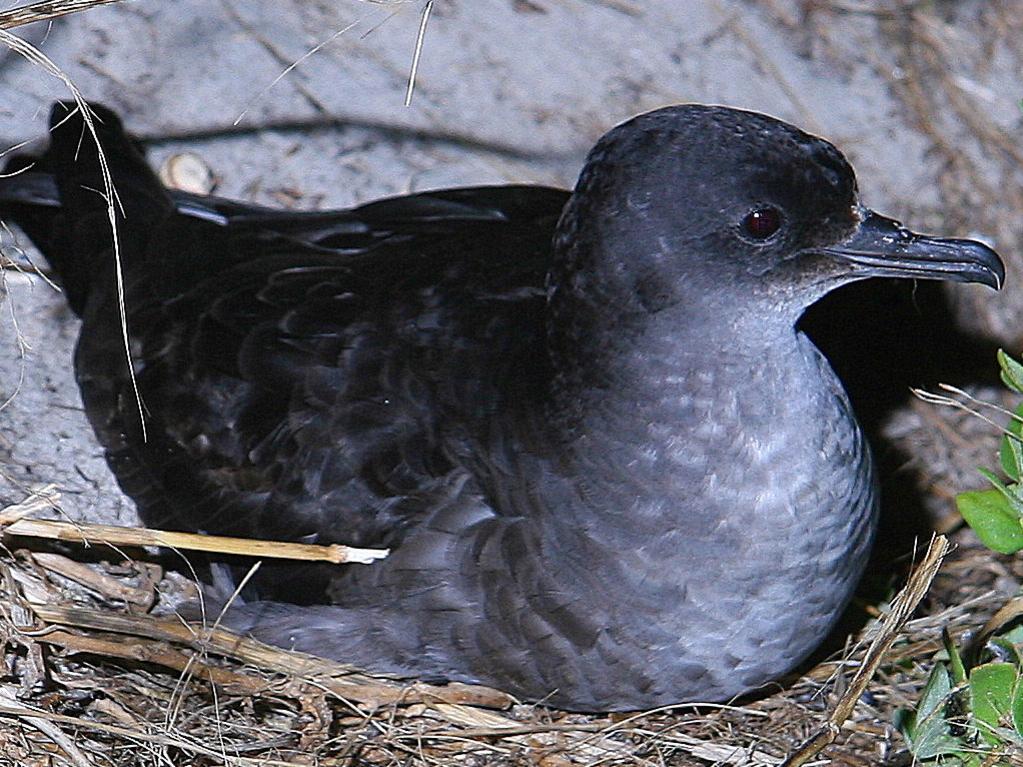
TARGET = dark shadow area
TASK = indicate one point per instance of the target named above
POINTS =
(883, 337)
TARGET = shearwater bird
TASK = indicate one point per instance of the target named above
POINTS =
(611, 471)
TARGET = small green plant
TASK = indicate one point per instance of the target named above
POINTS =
(996, 515)
(971, 715)
(970, 712)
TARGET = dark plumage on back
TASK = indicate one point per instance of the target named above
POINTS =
(611, 471)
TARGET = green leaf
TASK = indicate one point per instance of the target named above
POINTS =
(926, 729)
(1012, 372)
(1011, 449)
(1017, 707)
(989, 513)
(955, 660)
(1014, 634)
(1008, 456)
(1010, 452)
(991, 698)
(1000, 486)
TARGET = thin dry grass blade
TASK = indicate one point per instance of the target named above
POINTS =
(88, 534)
(35, 56)
(343, 680)
(46, 10)
(902, 607)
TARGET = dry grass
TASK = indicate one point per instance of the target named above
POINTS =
(46, 10)
(94, 675)
(15, 521)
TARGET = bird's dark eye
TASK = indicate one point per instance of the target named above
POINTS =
(760, 223)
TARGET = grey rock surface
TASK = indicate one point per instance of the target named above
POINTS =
(507, 91)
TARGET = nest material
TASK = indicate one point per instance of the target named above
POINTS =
(93, 675)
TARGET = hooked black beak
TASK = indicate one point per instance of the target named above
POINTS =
(881, 247)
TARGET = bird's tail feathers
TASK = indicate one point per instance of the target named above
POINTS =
(62, 199)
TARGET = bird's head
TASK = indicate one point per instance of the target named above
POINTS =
(695, 202)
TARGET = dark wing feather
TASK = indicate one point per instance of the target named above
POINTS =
(309, 376)
(318, 376)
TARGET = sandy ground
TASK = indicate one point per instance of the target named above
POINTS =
(507, 91)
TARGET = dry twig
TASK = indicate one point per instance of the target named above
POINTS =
(113, 535)
(902, 607)
(46, 10)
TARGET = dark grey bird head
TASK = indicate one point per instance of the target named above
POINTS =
(688, 203)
